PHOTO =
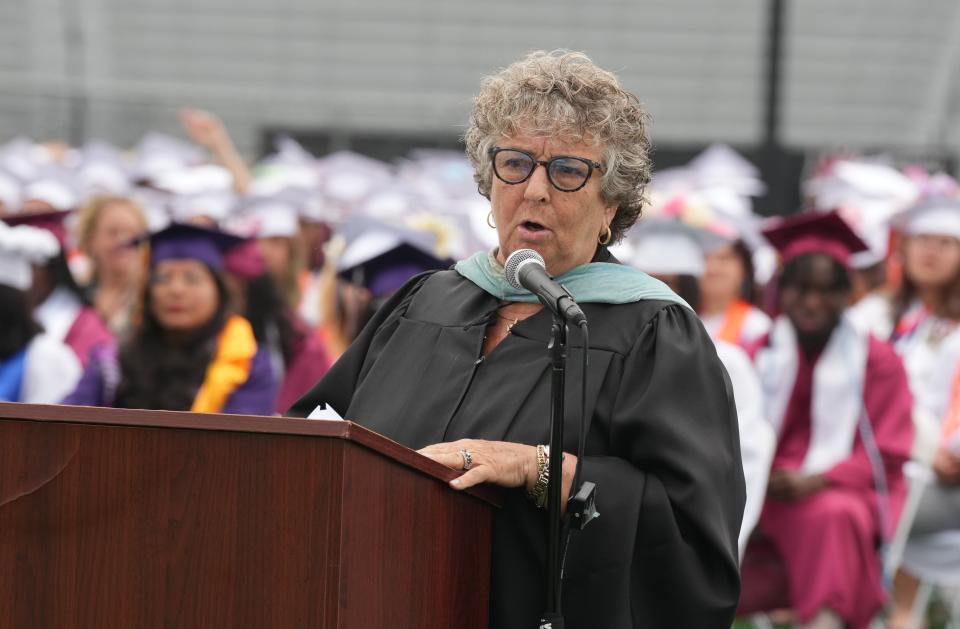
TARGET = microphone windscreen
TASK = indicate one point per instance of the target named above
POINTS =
(511, 270)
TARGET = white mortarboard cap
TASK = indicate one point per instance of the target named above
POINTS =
(317, 209)
(866, 194)
(391, 201)
(17, 158)
(102, 178)
(290, 151)
(11, 193)
(158, 153)
(215, 206)
(309, 203)
(53, 187)
(721, 166)
(272, 178)
(194, 180)
(290, 166)
(265, 217)
(155, 205)
(438, 174)
(102, 170)
(349, 177)
(665, 247)
(20, 248)
(936, 216)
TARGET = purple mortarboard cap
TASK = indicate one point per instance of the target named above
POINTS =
(382, 257)
(189, 242)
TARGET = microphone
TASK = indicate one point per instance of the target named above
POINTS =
(525, 269)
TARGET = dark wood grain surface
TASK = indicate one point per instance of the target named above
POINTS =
(243, 423)
(166, 520)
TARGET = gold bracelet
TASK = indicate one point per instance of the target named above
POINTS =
(539, 492)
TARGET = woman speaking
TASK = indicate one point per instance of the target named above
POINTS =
(456, 365)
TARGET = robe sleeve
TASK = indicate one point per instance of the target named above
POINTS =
(674, 487)
(257, 395)
(888, 404)
(757, 438)
(91, 389)
(337, 386)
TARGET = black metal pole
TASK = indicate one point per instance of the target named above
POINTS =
(772, 156)
(552, 617)
(771, 117)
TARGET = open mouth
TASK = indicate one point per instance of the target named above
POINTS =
(532, 226)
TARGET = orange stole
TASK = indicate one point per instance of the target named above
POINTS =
(230, 367)
(951, 422)
(733, 322)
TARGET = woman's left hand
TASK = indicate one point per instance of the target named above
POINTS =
(790, 485)
(498, 462)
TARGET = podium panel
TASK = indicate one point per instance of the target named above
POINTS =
(115, 518)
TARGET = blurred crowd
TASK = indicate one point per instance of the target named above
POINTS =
(176, 276)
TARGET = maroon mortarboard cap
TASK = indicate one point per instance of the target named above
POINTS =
(814, 232)
(245, 260)
(179, 241)
(52, 221)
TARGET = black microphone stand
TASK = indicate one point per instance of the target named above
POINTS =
(552, 618)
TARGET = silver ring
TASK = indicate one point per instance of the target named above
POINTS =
(467, 459)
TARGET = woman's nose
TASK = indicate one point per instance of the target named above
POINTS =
(538, 186)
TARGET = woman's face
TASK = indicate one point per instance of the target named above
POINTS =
(117, 224)
(813, 302)
(183, 295)
(563, 227)
(723, 274)
(931, 261)
(277, 252)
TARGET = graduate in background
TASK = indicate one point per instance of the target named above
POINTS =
(926, 310)
(105, 224)
(58, 303)
(298, 356)
(188, 353)
(840, 403)
(674, 253)
(728, 293)
(34, 367)
(932, 552)
(371, 261)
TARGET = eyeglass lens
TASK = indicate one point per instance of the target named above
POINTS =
(566, 173)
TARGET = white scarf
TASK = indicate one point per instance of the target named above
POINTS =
(838, 386)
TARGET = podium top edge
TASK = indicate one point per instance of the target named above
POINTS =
(251, 424)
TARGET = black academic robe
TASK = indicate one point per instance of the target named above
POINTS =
(662, 445)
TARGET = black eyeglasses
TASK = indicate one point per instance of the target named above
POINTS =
(566, 173)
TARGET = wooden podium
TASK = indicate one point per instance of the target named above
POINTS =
(116, 519)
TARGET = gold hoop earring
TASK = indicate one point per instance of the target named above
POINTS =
(490, 220)
(606, 240)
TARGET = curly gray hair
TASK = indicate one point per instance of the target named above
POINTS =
(564, 93)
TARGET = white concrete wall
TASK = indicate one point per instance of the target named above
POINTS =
(864, 73)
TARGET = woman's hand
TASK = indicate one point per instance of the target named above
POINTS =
(790, 485)
(497, 462)
(947, 467)
(204, 128)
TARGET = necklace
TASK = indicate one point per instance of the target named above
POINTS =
(512, 321)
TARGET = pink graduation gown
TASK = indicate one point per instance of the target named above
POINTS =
(828, 542)
(87, 332)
